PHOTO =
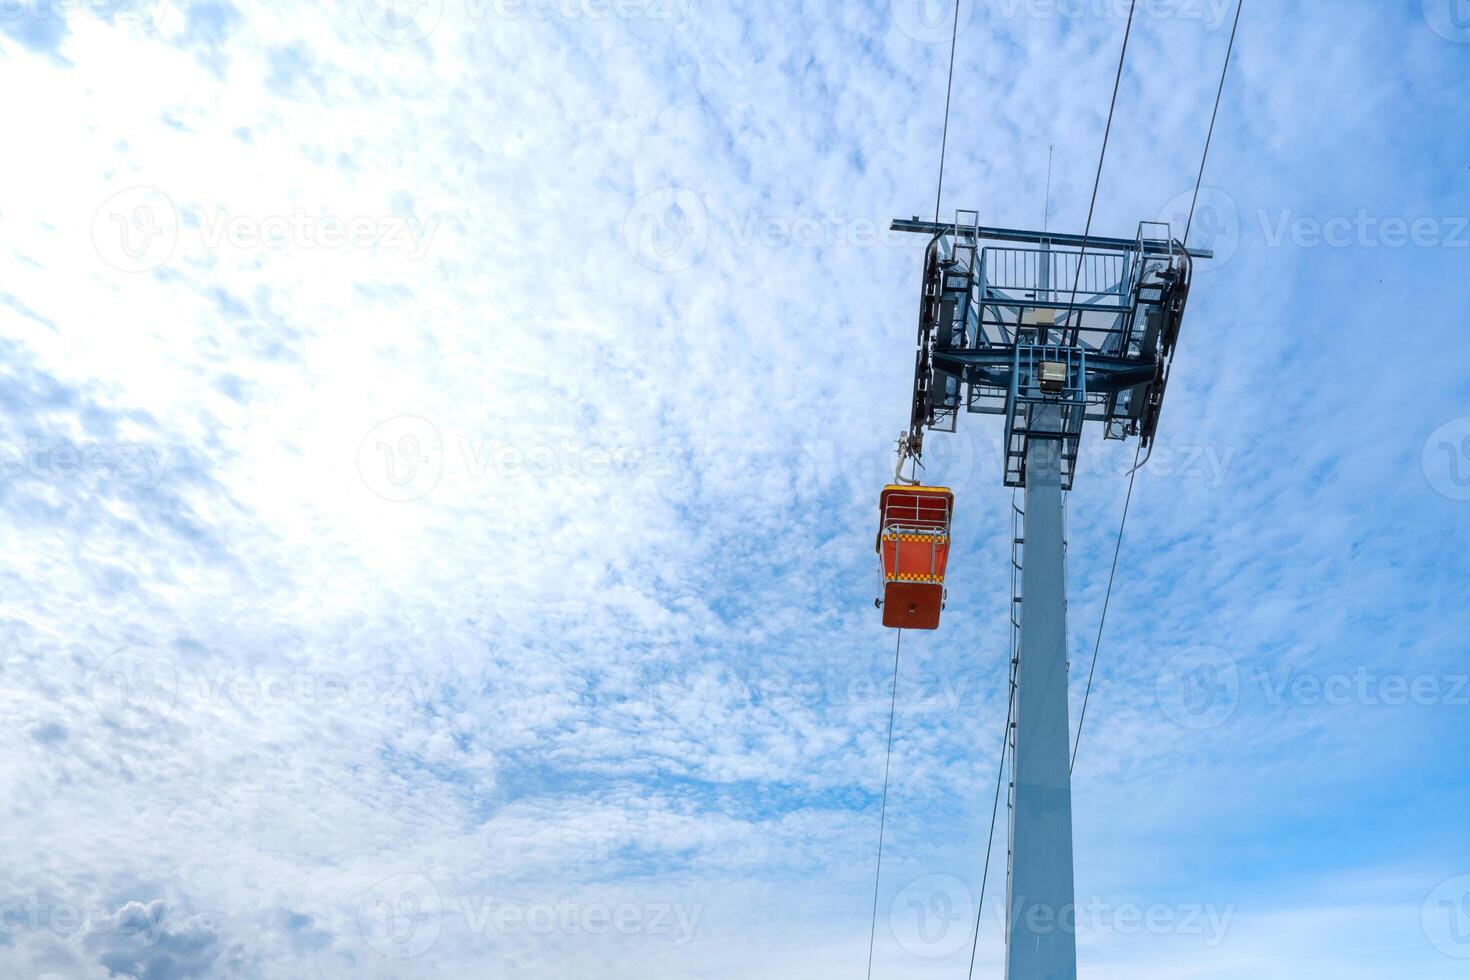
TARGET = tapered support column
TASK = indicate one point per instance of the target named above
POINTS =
(1041, 928)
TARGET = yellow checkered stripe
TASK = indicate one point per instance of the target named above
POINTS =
(935, 538)
(914, 577)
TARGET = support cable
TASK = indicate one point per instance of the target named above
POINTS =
(948, 94)
(1133, 473)
(910, 443)
(1097, 181)
(1107, 597)
(883, 810)
(1199, 181)
(898, 645)
(1005, 744)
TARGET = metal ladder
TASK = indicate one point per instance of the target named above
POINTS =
(1018, 557)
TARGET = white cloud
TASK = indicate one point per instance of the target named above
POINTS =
(600, 632)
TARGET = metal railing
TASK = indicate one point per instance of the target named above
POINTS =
(1048, 275)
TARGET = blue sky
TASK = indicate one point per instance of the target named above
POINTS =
(440, 451)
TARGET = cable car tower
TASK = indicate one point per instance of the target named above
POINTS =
(1050, 332)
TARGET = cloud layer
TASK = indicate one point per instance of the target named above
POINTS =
(440, 447)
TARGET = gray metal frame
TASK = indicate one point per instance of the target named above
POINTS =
(1112, 307)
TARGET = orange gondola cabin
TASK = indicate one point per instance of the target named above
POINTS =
(913, 542)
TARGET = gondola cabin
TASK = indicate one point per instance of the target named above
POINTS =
(913, 543)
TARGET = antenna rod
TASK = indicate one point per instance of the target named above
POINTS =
(1046, 209)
